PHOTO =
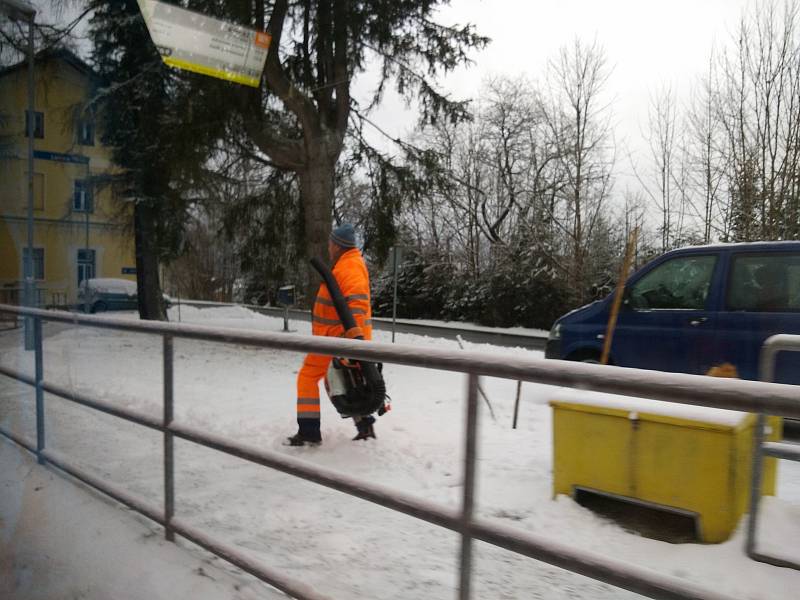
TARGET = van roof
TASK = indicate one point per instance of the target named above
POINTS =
(787, 244)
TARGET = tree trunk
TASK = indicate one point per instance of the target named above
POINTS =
(316, 193)
(148, 285)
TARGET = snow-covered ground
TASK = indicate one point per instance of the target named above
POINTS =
(461, 325)
(59, 540)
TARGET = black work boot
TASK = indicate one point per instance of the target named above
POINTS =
(365, 428)
(308, 433)
(301, 439)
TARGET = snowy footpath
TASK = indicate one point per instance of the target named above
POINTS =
(60, 540)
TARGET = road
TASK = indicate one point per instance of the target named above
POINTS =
(477, 336)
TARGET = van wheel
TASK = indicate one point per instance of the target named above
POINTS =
(99, 307)
(587, 356)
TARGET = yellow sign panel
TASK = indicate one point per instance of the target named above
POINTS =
(195, 42)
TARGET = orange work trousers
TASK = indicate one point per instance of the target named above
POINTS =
(315, 367)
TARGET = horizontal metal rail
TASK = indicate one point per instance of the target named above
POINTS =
(615, 572)
(18, 375)
(637, 579)
(293, 588)
(784, 450)
(229, 553)
(775, 561)
(738, 395)
(84, 400)
(717, 392)
(624, 575)
(18, 439)
(101, 406)
(117, 493)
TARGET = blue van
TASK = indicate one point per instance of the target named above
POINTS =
(695, 308)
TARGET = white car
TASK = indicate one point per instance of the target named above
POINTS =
(101, 294)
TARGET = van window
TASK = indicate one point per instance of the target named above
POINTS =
(680, 283)
(765, 283)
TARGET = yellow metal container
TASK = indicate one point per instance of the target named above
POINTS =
(702, 467)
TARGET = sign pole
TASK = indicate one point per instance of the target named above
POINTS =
(394, 302)
(286, 298)
(30, 275)
(86, 271)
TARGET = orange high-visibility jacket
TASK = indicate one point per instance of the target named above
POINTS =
(351, 274)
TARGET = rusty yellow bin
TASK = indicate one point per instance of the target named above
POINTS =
(691, 459)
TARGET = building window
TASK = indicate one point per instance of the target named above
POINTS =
(86, 132)
(38, 263)
(82, 200)
(85, 264)
(38, 124)
(38, 191)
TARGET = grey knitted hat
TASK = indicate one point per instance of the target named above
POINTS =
(344, 236)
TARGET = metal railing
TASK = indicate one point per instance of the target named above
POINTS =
(761, 449)
(14, 295)
(751, 396)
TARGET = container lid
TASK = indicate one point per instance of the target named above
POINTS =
(646, 409)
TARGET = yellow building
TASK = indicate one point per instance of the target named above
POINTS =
(81, 229)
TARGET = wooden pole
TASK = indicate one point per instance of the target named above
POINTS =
(623, 276)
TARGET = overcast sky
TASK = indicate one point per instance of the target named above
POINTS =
(649, 43)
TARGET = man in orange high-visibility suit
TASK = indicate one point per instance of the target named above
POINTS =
(350, 272)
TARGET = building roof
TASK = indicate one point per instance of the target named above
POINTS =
(53, 54)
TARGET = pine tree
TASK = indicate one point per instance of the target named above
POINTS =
(148, 116)
(302, 115)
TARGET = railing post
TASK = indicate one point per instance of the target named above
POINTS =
(755, 484)
(766, 372)
(39, 375)
(470, 445)
(169, 454)
(516, 405)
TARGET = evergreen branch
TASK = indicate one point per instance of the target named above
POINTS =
(433, 103)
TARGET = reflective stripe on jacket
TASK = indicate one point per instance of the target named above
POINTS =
(351, 274)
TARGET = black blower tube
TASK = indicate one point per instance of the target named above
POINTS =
(339, 303)
(375, 383)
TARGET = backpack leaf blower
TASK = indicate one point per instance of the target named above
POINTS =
(356, 387)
